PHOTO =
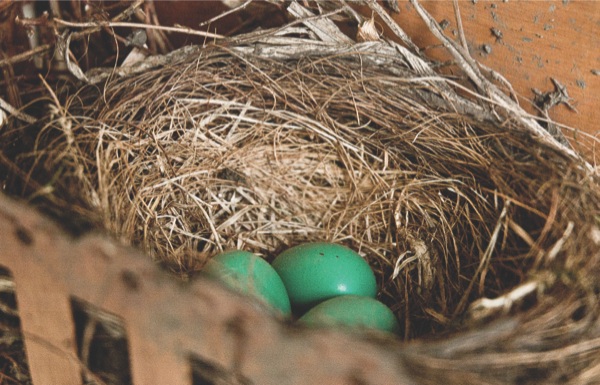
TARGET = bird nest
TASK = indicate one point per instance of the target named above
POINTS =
(465, 207)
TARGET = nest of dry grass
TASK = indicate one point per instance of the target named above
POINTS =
(466, 209)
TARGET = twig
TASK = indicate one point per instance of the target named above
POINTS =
(464, 60)
(222, 15)
(157, 40)
(55, 8)
(18, 114)
(97, 24)
(502, 80)
(97, 75)
(459, 25)
(553, 252)
(391, 23)
(76, 36)
(129, 11)
(484, 307)
(349, 10)
(321, 26)
(25, 55)
(309, 21)
(74, 69)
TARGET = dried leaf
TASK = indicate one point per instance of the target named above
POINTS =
(74, 69)
(367, 31)
(135, 56)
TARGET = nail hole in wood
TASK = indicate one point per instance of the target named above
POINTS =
(24, 236)
(130, 280)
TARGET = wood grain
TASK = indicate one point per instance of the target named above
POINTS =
(44, 309)
(540, 40)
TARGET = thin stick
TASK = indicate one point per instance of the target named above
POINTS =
(502, 80)
(47, 47)
(459, 25)
(97, 24)
(25, 55)
(222, 15)
(351, 11)
(16, 113)
(391, 23)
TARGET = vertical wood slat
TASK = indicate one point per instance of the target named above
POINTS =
(166, 322)
(151, 365)
(46, 321)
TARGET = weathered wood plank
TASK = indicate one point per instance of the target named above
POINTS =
(43, 304)
(167, 322)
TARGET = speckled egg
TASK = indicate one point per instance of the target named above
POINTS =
(251, 275)
(354, 312)
(315, 272)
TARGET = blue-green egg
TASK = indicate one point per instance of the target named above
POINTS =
(315, 272)
(251, 275)
(352, 312)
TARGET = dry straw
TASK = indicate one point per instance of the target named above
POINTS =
(464, 206)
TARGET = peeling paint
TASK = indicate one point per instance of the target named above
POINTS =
(497, 33)
(581, 83)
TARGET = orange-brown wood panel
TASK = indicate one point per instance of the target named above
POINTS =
(540, 40)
